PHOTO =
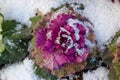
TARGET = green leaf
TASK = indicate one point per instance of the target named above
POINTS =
(44, 73)
(34, 20)
(117, 68)
(115, 71)
(16, 38)
(23, 33)
(112, 74)
(112, 45)
(1, 45)
(1, 20)
(115, 63)
(1, 42)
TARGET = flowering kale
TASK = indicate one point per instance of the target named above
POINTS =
(63, 42)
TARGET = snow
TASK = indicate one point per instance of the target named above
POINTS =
(22, 10)
(71, 23)
(105, 17)
(89, 44)
(24, 71)
(102, 13)
(64, 30)
(19, 71)
(100, 74)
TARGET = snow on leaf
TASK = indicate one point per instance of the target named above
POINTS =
(15, 39)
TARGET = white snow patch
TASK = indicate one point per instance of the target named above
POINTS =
(22, 10)
(89, 44)
(71, 23)
(19, 71)
(105, 17)
(80, 51)
(100, 74)
(63, 29)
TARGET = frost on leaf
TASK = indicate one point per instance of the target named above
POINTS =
(15, 38)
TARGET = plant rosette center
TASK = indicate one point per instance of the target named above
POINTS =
(64, 40)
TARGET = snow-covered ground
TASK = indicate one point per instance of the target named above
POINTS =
(24, 71)
(100, 74)
(102, 13)
(19, 71)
